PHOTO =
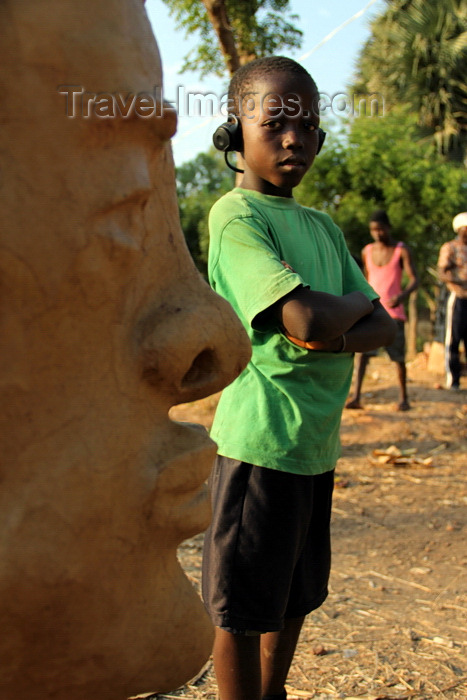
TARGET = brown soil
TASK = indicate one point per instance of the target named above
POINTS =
(395, 622)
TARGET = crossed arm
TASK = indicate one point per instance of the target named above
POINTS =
(318, 316)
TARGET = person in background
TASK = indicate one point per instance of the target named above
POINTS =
(384, 261)
(452, 270)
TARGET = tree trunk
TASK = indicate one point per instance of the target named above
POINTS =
(217, 14)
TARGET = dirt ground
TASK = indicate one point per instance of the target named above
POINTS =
(395, 622)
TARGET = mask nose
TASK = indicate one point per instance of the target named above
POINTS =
(186, 345)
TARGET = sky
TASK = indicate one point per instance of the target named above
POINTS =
(329, 52)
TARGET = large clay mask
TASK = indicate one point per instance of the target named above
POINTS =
(105, 325)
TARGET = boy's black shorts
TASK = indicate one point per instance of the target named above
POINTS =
(267, 552)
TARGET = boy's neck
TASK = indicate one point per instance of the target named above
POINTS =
(252, 182)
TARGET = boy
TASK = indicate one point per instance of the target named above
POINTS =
(383, 264)
(452, 270)
(288, 274)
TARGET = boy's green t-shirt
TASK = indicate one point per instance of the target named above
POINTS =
(284, 410)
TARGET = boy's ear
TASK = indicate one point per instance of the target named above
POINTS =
(228, 136)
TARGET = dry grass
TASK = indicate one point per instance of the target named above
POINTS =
(395, 622)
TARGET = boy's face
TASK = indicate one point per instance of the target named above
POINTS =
(379, 232)
(280, 133)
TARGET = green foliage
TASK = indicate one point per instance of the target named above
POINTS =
(260, 28)
(417, 55)
(379, 163)
(384, 165)
(327, 181)
(200, 182)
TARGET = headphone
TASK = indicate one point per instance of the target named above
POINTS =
(228, 137)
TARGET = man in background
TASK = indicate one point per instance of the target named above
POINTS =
(452, 270)
(384, 261)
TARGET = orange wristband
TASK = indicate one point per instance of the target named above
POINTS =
(316, 344)
(307, 344)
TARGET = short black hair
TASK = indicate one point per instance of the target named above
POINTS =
(243, 79)
(380, 217)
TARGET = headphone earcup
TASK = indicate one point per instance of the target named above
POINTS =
(321, 138)
(228, 136)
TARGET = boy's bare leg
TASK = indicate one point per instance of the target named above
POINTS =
(362, 363)
(248, 668)
(277, 651)
(237, 665)
(402, 377)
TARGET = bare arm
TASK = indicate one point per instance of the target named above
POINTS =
(309, 315)
(451, 276)
(316, 316)
(447, 269)
(408, 266)
(371, 332)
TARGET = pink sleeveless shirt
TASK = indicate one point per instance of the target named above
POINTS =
(386, 279)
